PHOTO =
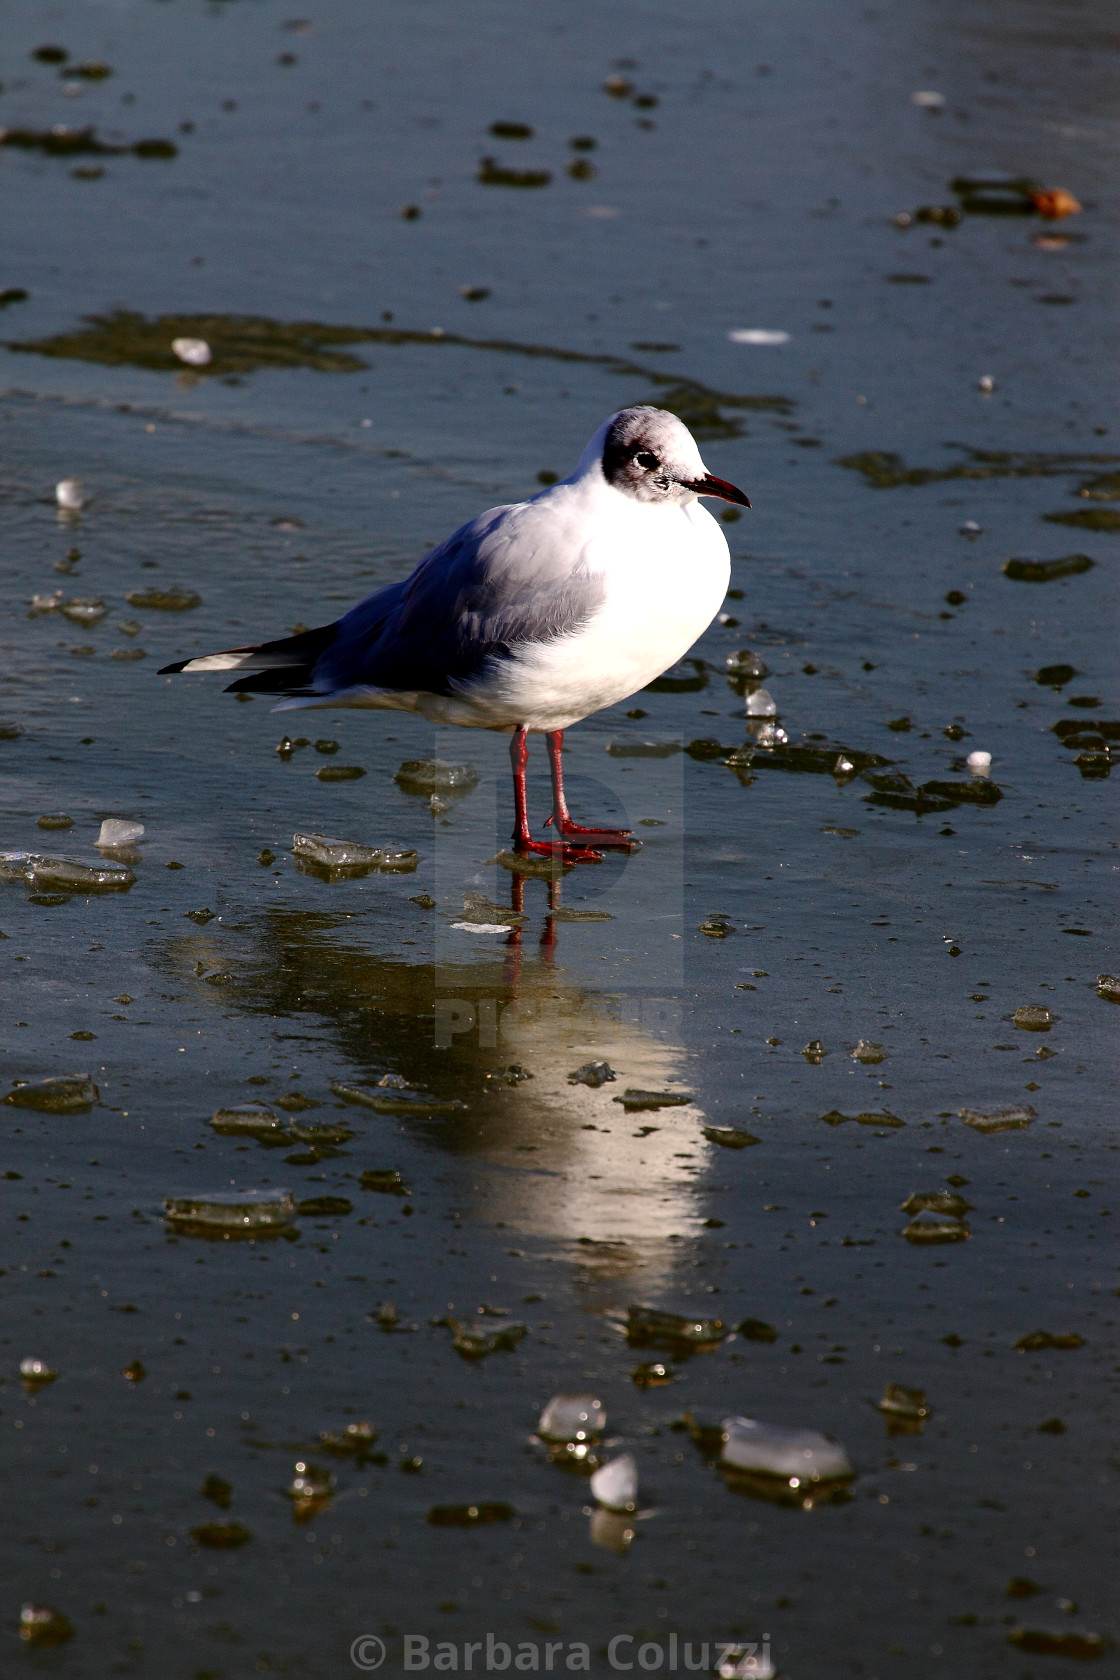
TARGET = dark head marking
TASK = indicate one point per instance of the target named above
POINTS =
(650, 455)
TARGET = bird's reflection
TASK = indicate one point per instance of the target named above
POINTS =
(502, 1028)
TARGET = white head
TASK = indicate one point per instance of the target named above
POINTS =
(651, 456)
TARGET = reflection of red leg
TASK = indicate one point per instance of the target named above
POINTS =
(522, 838)
(620, 838)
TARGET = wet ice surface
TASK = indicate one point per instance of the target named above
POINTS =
(212, 503)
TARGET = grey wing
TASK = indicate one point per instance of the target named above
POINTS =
(505, 580)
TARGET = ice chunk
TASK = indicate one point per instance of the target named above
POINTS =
(634, 1100)
(798, 1457)
(55, 819)
(248, 1120)
(474, 1341)
(357, 1440)
(87, 613)
(338, 858)
(729, 1137)
(170, 598)
(436, 776)
(45, 603)
(868, 1052)
(41, 1626)
(767, 734)
(1063, 1642)
(650, 1327)
(1037, 1341)
(937, 1201)
(46, 874)
(998, 1119)
(652, 1373)
(747, 664)
(36, 1373)
(69, 495)
(119, 832)
(392, 1096)
(309, 1489)
(195, 352)
(979, 763)
(1108, 987)
(761, 704)
(593, 1074)
(231, 1213)
(904, 1409)
(1032, 1017)
(60, 1093)
(929, 1226)
(927, 100)
(572, 1418)
(615, 1484)
(222, 1537)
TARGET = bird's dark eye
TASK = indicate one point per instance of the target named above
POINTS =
(645, 458)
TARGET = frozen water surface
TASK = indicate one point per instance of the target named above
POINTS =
(932, 459)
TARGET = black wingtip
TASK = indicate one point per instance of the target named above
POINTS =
(173, 670)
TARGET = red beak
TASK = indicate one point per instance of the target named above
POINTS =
(710, 486)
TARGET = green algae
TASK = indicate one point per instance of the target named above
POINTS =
(884, 470)
(243, 344)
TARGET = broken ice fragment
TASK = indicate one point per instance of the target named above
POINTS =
(61, 1093)
(1045, 571)
(747, 664)
(356, 1441)
(391, 1096)
(904, 1409)
(1036, 1340)
(650, 1327)
(41, 1626)
(931, 1227)
(325, 1207)
(593, 1074)
(997, 1119)
(55, 820)
(118, 832)
(1032, 1017)
(1108, 987)
(436, 777)
(938, 1201)
(814, 1052)
(635, 1101)
(570, 1419)
(36, 1373)
(69, 495)
(979, 763)
(798, 1460)
(195, 352)
(615, 1484)
(337, 858)
(231, 1213)
(134, 1371)
(474, 1342)
(63, 874)
(387, 1180)
(761, 704)
(729, 1137)
(652, 1374)
(309, 1490)
(868, 1052)
(87, 613)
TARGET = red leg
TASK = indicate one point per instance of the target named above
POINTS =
(522, 838)
(620, 838)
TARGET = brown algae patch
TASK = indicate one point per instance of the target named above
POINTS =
(884, 470)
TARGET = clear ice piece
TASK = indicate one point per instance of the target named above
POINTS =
(1032, 1017)
(232, 1212)
(118, 831)
(868, 1052)
(572, 1417)
(36, 1372)
(194, 352)
(997, 1119)
(436, 776)
(746, 1662)
(247, 1120)
(69, 495)
(797, 1456)
(339, 857)
(615, 1484)
(87, 613)
(63, 874)
(979, 763)
(761, 704)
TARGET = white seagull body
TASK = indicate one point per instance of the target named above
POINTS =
(534, 615)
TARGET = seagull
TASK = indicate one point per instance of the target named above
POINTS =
(532, 616)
